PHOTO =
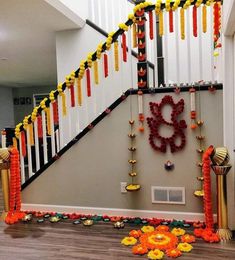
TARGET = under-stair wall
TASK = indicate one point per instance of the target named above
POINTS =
(89, 173)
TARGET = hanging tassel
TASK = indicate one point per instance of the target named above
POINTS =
(106, 69)
(79, 86)
(161, 29)
(23, 141)
(182, 24)
(72, 95)
(39, 120)
(116, 57)
(151, 25)
(171, 26)
(124, 48)
(134, 38)
(48, 119)
(55, 112)
(64, 109)
(14, 142)
(88, 82)
(204, 19)
(31, 136)
(195, 21)
(96, 72)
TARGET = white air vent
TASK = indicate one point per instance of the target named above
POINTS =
(168, 195)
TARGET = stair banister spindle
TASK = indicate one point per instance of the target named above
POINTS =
(37, 154)
(68, 116)
(165, 40)
(52, 130)
(155, 35)
(57, 138)
(44, 137)
(188, 44)
(177, 37)
(29, 155)
(22, 169)
(61, 126)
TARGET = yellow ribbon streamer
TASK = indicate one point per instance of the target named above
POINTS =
(79, 88)
(31, 137)
(96, 73)
(182, 24)
(204, 19)
(134, 38)
(161, 30)
(64, 109)
(14, 142)
(48, 115)
(116, 57)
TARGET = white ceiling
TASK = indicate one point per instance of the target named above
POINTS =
(27, 42)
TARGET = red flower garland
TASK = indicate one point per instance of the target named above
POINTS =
(124, 48)
(155, 122)
(217, 21)
(23, 142)
(195, 21)
(207, 188)
(171, 26)
(151, 25)
(14, 213)
(88, 82)
(106, 69)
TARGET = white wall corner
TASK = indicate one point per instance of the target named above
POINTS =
(228, 17)
(68, 11)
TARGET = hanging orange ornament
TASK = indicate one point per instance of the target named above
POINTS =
(39, 121)
(55, 113)
(134, 38)
(96, 72)
(161, 26)
(79, 89)
(23, 142)
(72, 95)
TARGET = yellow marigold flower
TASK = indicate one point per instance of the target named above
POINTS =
(155, 254)
(178, 231)
(184, 247)
(129, 241)
(147, 229)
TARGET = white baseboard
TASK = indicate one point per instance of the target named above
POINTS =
(189, 216)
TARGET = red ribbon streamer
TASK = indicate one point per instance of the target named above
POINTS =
(151, 25)
(195, 21)
(106, 69)
(39, 119)
(124, 48)
(55, 113)
(72, 96)
(171, 26)
(88, 82)
(23, 142)
(216, 19)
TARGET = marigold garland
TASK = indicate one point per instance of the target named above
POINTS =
(79, 91)
(161, 24)
(124, 48)
(116, 56)
(195, 21)
(23, 143)
(188, 238)
(135, 233)
(147, 229)
(171, 18)
(106, 69)
(96, 72)
(204, 18)
(150, 25)
(88, 82)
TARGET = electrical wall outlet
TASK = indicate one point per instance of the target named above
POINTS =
(123, 187)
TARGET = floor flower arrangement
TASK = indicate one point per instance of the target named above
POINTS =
(159, 241)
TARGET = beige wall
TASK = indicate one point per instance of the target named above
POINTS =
(89, 174)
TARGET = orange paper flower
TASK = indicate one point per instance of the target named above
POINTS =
(174, 252)
(188, 238)
(139, 249)
(162, 228)
(135, 233)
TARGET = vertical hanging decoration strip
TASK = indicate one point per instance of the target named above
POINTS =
(14, 213)
(31, 135)
(193, 107)
(182, 24)
(39, 121)
(96, 72)
(64, 109)
(88, 82)
(124, 48)
(204, 19)
(14, 141)
(171, 25)
(48, 120)
(151, 25)
(194, 21)
(106, 68)
(216, 19)
(141, 111)
(161, 24)
(72, 95)
(23, 141)
(116, 56)
(134, 38)
(79, 88)
(55, 112)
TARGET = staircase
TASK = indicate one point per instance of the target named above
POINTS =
(108, 75)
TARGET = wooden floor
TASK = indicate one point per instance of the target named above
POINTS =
(65, 241)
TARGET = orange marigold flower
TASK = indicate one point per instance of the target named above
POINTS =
(173, 252)
(135, 233)
(198, 232)
(188, 238)
(139, 249)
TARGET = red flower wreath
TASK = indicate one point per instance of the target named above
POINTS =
(155, 122)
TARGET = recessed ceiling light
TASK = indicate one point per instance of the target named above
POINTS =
(3, 58)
